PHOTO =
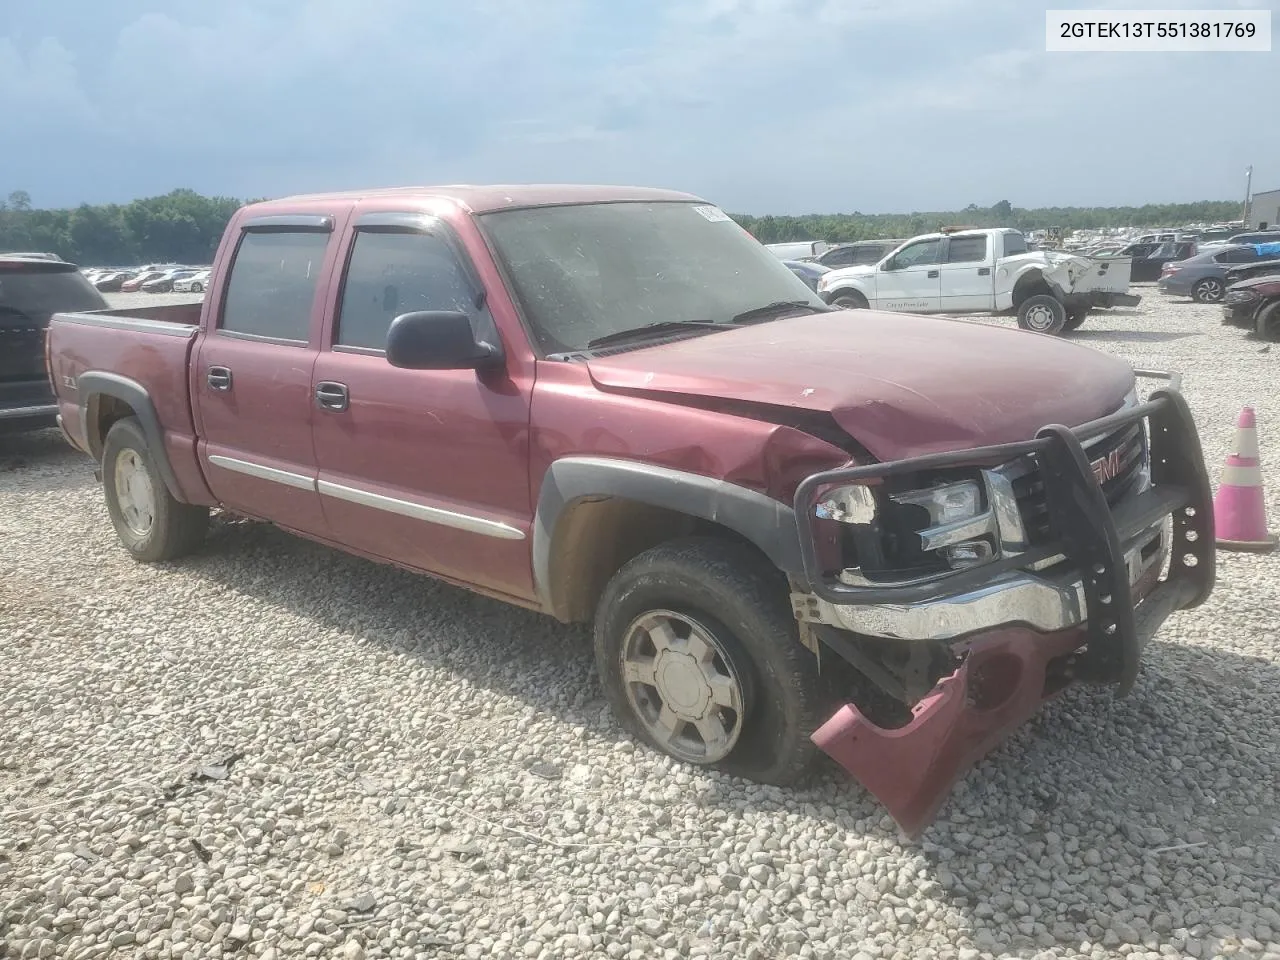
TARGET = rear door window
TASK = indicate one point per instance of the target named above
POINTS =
(967, 249)
(1238, 255)
(272, 285)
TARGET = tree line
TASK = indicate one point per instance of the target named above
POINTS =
(843, 227)
(179, 227)
(185, 227)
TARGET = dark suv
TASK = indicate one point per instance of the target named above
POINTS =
(32, 289)
(859, 252)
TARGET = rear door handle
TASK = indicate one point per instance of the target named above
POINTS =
(219, 378)
(933, 274)
(984, 271)
(332, 395)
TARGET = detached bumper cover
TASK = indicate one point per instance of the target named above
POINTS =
(1009, 669)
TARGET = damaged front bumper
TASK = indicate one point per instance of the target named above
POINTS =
(1022, 626)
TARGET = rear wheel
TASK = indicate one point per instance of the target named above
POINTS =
(1042, 314)
(151, 524)
(1075, 317)
(699, 657)
(1208, 290)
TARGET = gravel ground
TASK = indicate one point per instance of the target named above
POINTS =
(272, 749)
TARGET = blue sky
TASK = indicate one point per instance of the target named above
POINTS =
(764, 106)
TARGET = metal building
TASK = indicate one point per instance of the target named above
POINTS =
(1264, 210)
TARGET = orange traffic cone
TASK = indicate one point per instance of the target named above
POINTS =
(1239, 508)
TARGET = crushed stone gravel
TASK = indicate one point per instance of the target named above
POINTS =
(274, 750)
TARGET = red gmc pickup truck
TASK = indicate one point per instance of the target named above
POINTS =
(794, 527)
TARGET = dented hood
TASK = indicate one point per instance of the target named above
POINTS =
(900, 385)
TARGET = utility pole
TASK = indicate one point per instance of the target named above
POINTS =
(1248, 181)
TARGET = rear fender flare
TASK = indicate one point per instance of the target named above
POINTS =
(92, 386)
(765, 522)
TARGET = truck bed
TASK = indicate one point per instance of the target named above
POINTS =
(121, 353)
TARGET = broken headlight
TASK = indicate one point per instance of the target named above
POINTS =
(916, 533)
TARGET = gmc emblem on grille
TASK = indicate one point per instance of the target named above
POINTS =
(1108, 467)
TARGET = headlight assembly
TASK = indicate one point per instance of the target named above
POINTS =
(918, 533)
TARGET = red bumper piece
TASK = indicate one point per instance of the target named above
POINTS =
(911, 769)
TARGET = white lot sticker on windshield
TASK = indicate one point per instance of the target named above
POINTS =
(714, 214)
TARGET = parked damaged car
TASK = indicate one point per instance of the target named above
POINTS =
(794, 527)
(1255, 305)
(1203, 277)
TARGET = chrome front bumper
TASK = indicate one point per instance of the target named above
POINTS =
(1045, 601)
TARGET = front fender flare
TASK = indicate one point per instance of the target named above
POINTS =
(94, 384)
(765, 522)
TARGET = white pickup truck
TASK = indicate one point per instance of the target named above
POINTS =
(984, 271)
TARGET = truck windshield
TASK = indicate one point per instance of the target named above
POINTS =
(587, 271)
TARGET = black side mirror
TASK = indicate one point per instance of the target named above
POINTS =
(438, 340)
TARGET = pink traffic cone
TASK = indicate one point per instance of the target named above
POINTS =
(1239, 509)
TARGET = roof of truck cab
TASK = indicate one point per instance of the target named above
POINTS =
(486, 199)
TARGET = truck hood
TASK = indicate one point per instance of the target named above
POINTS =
(900, 385)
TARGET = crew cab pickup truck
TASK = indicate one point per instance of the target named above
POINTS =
(984, 271)
(793, 527)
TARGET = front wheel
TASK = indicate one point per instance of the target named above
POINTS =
(197, 288)
(149, 521)
(1208, 290)
(699, 658)
(850, 300)
(1268, 321)
(1042, 314)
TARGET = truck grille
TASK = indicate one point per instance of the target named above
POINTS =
(1124, 453)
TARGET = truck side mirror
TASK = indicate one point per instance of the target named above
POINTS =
(438, 340)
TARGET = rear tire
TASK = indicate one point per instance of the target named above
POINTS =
(1042, 314)
(1076, 317)
(1208, 290)
(699, 657)
(152, 525)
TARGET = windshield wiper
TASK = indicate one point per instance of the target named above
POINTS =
(650, 329)
(778, 307)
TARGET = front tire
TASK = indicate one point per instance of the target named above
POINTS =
(699, 658)
(152, 525)
(1267, 323)
(1042, 314)
(1208, 290)
(849, 300)
(197, 288)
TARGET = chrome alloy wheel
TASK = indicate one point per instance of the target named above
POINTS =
(134, 493)
(682, 685)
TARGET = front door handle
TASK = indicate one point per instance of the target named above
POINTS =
(932, 275)
(219, 378)
(984, 271)
(332, 395)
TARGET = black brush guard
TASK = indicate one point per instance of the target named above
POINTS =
(1083, 527)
